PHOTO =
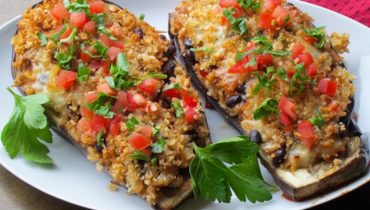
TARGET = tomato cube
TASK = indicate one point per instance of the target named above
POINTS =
(139, 141)
(327, 86)
(66, 79)
(59, 11)
(97, 7)
(149, 86)
(78, 19)
(306, 133)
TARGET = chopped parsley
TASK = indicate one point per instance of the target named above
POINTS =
(299, 80)
(202, 49)
(318, 34)
(269, 106)
(42, 38)
(119, 72)
(252, 4)
(139, 155)
(267, 79)
(27, 128)
(229, 167)
(99, 138)
(100, 49)
(100, 25)
(179, 111)
(158, 147)
(142, 17)
(102, 105)
(131, 123)
(174, 85)
(77, 6)
(239, 24)
(64, 59)
(318, 120)
(55, 38)
(154, 161)
(83, 73)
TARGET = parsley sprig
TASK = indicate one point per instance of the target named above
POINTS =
(26, 128)
(250, 4)
(229, 166)
(239, 24)
(318, 34)
(268, 79)
(299, 80)
(102, 105)
(268, 106)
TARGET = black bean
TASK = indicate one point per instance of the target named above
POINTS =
(188, 44)
(138, 31)
(241, 88)
(255, 136)
(192, 134)
(279, 156)
(233, 101)
(171, 50)
(169, 68)
(163, 37)
(165, 103)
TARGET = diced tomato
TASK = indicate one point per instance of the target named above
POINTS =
(90, 27)
(149, 86)
(265, 21)
(172, 93)
(135, 101)
(288, 107)
(114, 127)
(309, 39)
(66, 79)
(306, 133)
(99, 123)
(297, 49)
(104, 88)
(97, 7)
(204, 73)
(311, 71)
(139, 141)
(111, 43)
(305, 58)
(228, 3)
(113, 52)
(84, 57)
(188, 100)
(190, 114)
(240, 67)
(280, 15)
(105, 67)
(264, 60)
(270, 5)
(88, 114)
(78, 19)
(284, 119)
(290, 73)
(59, 11)
(327, 86)
(121, 103)
(90, 97)
(84, 126)
(65, 34)
(147, 131)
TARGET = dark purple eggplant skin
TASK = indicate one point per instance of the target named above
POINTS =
(343, 176)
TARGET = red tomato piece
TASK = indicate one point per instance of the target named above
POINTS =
(121, 103)
(290, 73)
(264, 60)
(85, 57)
(89, 27)
(110, 43)
(265, 21)
(280, 14)
(78, 19)
(171, 93)
(147, 131)
(113, 52)
(114, 127)
(306, 59)
(288, 107)
(149, 86)
(190, 114)
(90, 97)
(297, 49)
(139, 100)
(66, 79)
(270, 5)
(105, 67)
(105, 88)
(97, 7)
(311, 71)
(309, 39)
(228, 3)
(86, 113)
(59, 11)
(84, 126)
(327, 86)
(139, 141)
(188, 100)
(99, 123)
(284, 119)
(306, 133)
(240, 67)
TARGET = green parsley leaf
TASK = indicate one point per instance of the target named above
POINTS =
(101, 50)
(159, 145)
(131, 123)
(139, 155)
(64, 59)
(252, 4)
(155, 131)
(71, 37)
(299, 80)
(55, 38)
(269, 106)
(119, 73)
(77, 6)
(282, 73)
(99, 138)
(318, 34)
(102, 105)
(318, 120)
(154, 161)
(83, 73)
(268, 79)
(26, 127)
(100, 25)
(42, 38)
(154, 75)
(214, 179)
(202, 49)
(176, 104)
(174, 85)
(142, 17)
(239, 25)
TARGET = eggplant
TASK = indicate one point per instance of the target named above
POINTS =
(299, 184)
(168, 196)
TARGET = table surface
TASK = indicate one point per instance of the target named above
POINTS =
(15, 194)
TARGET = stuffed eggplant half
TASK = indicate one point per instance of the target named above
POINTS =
(115, 91)
(277, 78)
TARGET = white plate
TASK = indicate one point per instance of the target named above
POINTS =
(74, 178)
